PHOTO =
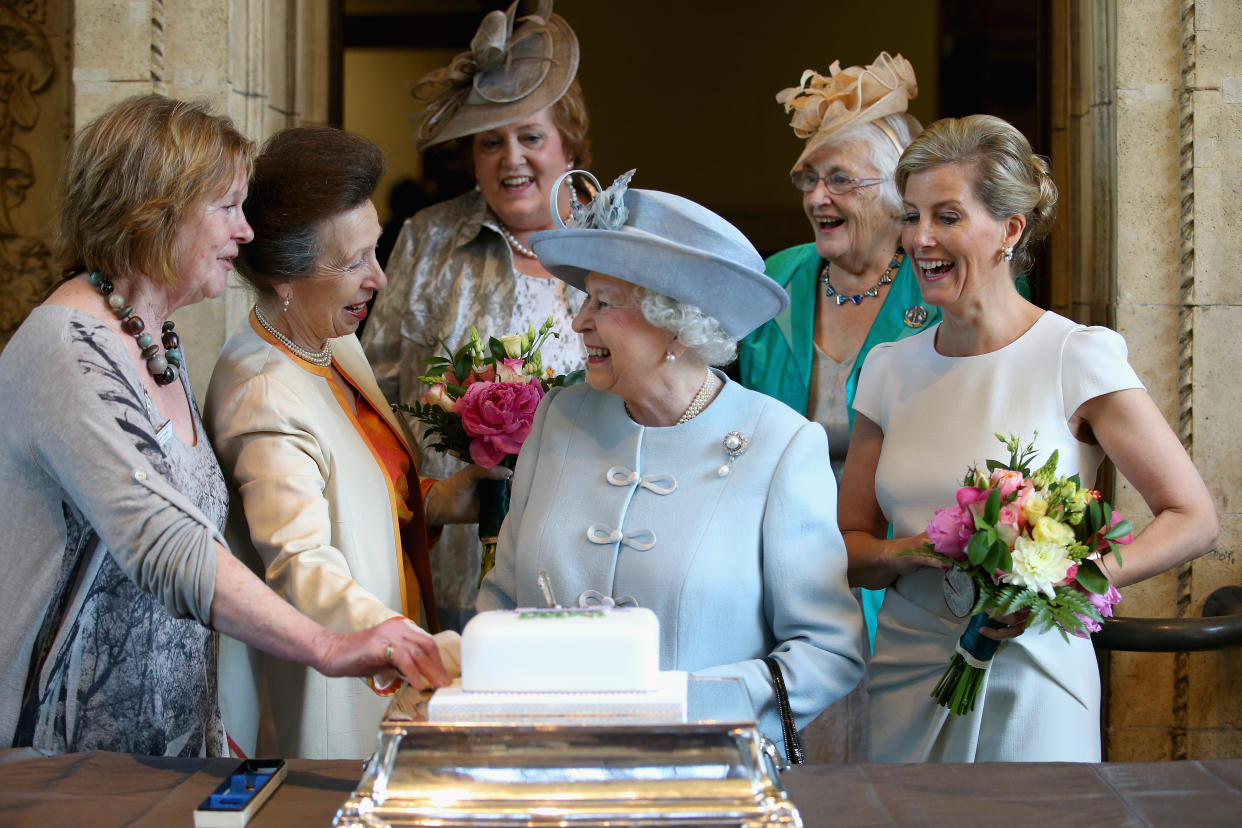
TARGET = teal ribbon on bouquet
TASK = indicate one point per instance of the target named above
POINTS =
(962, 679)
(493, 506)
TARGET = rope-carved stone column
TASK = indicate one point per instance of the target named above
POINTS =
(157, 46)
(1185, 339)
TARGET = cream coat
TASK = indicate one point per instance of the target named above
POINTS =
(321, 529)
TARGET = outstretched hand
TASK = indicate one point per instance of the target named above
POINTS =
(455, 499)
(414, 654)
(1015, 625)
(906, 558)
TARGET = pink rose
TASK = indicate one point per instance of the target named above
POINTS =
(1101, 543)
(498, 415)
(1007, 481)
(510, 370)
(972, 498)
(1025, 489)
(950, 530)
(434, 394)
(1009, 523)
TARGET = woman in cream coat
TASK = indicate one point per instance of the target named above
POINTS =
(332, 507)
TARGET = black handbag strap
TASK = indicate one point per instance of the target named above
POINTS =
(793, 747)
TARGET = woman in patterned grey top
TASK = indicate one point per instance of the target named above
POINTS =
(111, 501)
(514, 102)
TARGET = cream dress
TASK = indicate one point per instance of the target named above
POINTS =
(1041, 697)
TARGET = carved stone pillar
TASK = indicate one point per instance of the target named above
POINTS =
(35, 128)
(262, 62)
(1147, 110)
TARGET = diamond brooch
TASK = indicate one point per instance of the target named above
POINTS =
(734, 445)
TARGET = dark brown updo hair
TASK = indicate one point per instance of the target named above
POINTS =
(303, 177)
(1008, 178)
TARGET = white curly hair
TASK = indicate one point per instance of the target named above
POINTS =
(700, 333)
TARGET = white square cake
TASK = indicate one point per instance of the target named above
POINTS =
(562, 665)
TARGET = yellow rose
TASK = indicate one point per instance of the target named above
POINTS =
(1034, 507)
(513, 345)
(1048, 530)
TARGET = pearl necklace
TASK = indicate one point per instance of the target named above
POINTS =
(842, 298)
(517, 246)
(323, 359)
(700, 399)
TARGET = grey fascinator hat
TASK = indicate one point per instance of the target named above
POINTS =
(507, 75)
(666, 243)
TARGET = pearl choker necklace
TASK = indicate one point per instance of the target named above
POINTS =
(323, 359)
(700, 399)
(842, 298)
(517, 246)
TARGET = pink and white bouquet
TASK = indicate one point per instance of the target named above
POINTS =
(1020, 541)
(479, 406)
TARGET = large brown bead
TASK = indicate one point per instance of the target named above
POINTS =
(133, 325)
(171, 340)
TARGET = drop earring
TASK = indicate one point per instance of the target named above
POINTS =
(1007, 254)
(284, 304)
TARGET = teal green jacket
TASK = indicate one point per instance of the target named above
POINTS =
(776, 359)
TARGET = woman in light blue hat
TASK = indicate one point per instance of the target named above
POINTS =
(661, 482)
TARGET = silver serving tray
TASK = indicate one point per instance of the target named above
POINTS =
(714, 770)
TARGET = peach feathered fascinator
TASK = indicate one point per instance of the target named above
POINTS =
(823, 106)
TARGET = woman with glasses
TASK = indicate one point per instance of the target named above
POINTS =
(853, 286)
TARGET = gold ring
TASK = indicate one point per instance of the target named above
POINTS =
(388, 654)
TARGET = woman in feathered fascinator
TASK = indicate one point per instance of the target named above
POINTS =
(513, 101)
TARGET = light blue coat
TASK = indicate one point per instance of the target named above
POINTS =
(735, 567)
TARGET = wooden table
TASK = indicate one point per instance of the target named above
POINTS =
(84, 790)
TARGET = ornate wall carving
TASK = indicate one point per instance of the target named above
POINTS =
(35, 127)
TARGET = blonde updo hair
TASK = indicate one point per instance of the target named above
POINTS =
(1008, 178)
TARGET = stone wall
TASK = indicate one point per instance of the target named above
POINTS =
(1149, 162)
(35, 129)
(262, 62)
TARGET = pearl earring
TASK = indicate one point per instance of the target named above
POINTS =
(669, 356)
(284, 304)
(1007, 254)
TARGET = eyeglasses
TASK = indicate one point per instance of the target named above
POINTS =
(837, 183)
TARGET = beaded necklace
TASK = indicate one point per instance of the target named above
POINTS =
(323, 358)
(163, 367)
(885, 279)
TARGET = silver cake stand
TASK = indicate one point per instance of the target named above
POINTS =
(715, 769)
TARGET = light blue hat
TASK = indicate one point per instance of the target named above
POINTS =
(668, 244)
